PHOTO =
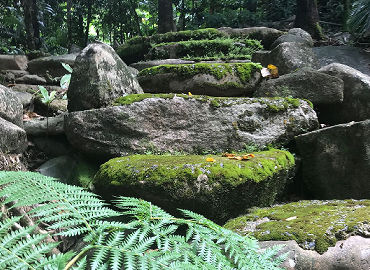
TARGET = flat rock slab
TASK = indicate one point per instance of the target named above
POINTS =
(13, 62)
(350, 254)
(215, 186)
(31, 79)
(43, 126)
(51, 65)
(314, 225)
(13, 139)
(354, 57)
(191, 124)
(212, 79)
(306, 83)
(335, 161)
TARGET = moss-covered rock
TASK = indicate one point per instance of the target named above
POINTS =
(227, 79)
(205, 49)
(213, 185)
(135, 49)
(315, 225)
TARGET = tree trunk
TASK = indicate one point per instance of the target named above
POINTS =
(31, 24)
(69, 22)
(88, 21)
(133, 6)
(165, 16)
(346, 12)
(307, 18)
(182, 20)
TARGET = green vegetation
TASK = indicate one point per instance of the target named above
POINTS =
(204, 49)
(312, 224)
(150, 239)
(243, 70)
(274, 104)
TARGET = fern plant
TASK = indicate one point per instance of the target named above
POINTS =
(153, 239)
(359, 20)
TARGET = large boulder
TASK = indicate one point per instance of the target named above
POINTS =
(290, 56)
(45, 126)
(11, 108)
(216, 186)
(13, 139)
(51, 65)
(191, 124)
(13, 62)
(30, 79)
(12, 75)
(99, 76)
(354, 57)
(266, 35)
(356, 103)
(239, 79)
(318, 234)
(335, 161)
(297, 35)
(306, 83)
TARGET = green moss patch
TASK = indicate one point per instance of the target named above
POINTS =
(314, 225)
(225, 186)
(222, 48)
(243, 70)
(274, 105)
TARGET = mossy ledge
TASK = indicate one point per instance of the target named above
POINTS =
(274, 104)
(226, 187)
(243, 70)
(314, 225)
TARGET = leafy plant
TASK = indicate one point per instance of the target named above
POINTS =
(153, 239)
(359, 20)
(46, 98)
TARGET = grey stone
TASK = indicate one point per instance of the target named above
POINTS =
(59, 105)
(354, 57)
(29, 88)
(24, 98)
(134, 71)
(61, 168)
(153, 63)
(11, 162)
(306, 83)
(356, 103)
(52, 146)
(11, 75)
(13, 139)
(335, 161)
(190, 125)
(13, 62)
(10, 106)
(98, 78)
(350, 254)
(266, 35)
(43, 126)
(51, 65)
(30, 79)
(298, 32)
(290, 56)
(202, 84)
(261, 57)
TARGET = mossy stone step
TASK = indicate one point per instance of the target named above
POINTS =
(315, 225)
(216, 186)
(213, 79)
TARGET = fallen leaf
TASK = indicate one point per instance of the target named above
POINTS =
(265, 73)
(291, 218)
(210, 159)
(274, 71)
(190, 94)
(228, 155)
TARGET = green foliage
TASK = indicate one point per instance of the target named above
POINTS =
(276, 10)
(66, 79)
(46, 98)
(132, 53)
(359, 21)
(151, 240)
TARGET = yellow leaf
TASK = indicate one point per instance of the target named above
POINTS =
(273, 70)
(210, 159)
(190, 94)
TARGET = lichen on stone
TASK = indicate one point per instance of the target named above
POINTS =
(314, 225)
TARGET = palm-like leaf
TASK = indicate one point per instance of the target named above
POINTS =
(359, 21)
